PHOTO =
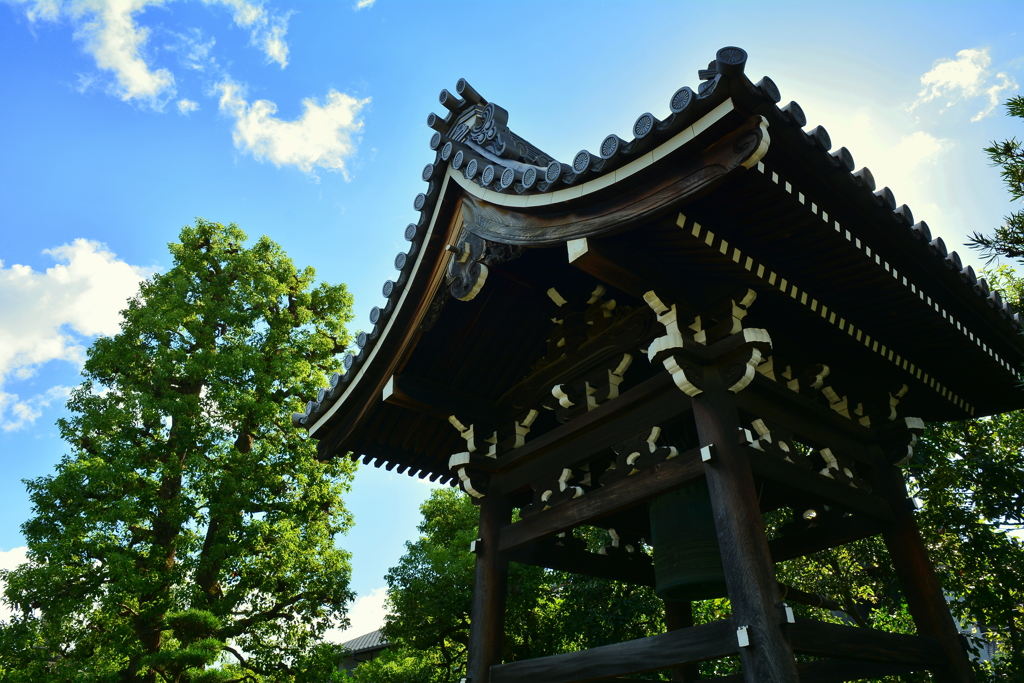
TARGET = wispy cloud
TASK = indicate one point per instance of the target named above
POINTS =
(323, 137)
(187, 106)
(112, 35)
(267, 29)
(48, 316)
(17, 413)
(364, 4)
(117, 43)
(967, 77)
(194, 51)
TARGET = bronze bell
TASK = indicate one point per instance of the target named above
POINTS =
(687, 560)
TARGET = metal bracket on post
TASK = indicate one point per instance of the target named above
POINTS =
(476, 547)
(742, 637)
(786, 613)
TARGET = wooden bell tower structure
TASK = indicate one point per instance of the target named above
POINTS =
(668, 337)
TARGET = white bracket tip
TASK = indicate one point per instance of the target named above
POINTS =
(705, 456)
(742, 638)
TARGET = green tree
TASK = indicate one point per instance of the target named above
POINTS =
(430, 594)
(1008, 239)
(189, 533)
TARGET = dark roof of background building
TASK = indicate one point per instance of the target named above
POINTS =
(374, 640)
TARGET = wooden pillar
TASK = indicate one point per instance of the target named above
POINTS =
(680, 615)
(490, 586)
(749, 570)
(918, 581)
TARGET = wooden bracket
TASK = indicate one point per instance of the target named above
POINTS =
(714, 338)
(899, 438)
(637, 453)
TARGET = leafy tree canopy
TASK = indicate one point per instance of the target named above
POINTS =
(430, 594)
(188, 536)
(1008, 155)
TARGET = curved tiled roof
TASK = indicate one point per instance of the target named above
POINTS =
(473, 143)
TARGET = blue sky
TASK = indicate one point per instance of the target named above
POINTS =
(305, 121)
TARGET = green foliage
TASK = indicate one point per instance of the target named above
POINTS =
(430, 593)
(191, 522)
(1008, 239)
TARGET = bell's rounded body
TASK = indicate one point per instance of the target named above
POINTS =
(687, 561)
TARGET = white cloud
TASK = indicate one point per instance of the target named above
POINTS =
(965, 78)
(16, 413)
(321, 138)
(46, 315)
(365, 616)
(193, 50)
(917, 149)
(900, 157)
(267, 29)
(187, 106)
(116, 42)
(9, 559)
(113, 37)
(363, 4)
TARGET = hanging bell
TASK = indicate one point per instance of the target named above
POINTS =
(687, 561)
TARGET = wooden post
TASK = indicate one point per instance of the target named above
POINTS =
(749, 571)
(680, 615)
(918, 581)
(490, 585)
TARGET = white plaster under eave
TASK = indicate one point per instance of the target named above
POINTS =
(545, 198)
(394, 314)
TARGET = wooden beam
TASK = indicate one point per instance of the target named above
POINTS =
(431, 398)
(789, 475)
(790, 594)
(834, 671)
(650, 403)
(918, 581)
(698, 643)
(775, 403)
(589, 256)
(625, 493)
(835, 533)
(587, 564)
(679, 615)
(842, 670)
(490, 588)
(749, 571)
(864, 644)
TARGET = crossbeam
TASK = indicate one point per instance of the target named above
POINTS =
(789, 475)
(833, 671)
(835, 533)
(623, 494)
(777, 404)
(585, 563)
(431, 398)
(694, 644)
(864, 644)
(649, 403)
